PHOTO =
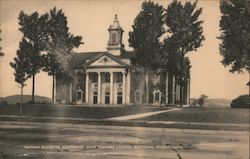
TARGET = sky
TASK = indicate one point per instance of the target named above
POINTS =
(91, 19)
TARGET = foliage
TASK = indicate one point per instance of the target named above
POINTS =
(60, 44)
(242, 101)
(33, 27)
(201, 99)
(22, 63)
(185, 34)
(172, 61)
(184, 26)
(21, 66)
(235, 34)
(145, 37)
(3, 103)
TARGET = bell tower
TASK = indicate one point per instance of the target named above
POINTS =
(115, 38)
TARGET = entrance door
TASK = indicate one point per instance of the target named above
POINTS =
(107, 97)
(119, 98)
(79, 97)
(95, 97)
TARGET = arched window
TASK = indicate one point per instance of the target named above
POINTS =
(113, 38)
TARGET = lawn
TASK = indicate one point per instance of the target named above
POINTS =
(74, 111)
(210, 115)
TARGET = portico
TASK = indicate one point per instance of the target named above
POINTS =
(107, 86)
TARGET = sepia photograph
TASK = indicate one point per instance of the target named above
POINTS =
(124, 79)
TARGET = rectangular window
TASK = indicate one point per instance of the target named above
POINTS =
(107, 97)
(95, 97)
(119, 78)
(79, 95)
(106, 77)
(94, 78)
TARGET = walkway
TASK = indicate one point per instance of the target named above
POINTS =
(141, 115)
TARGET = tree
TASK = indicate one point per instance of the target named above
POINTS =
(185, 30)
(1, 53)
(33, 28)
(21, 65)
(235, 34)
(60, 45)
(147, 30)
(172, 62)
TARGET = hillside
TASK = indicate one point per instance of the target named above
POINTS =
(16, 99)
(217, 102)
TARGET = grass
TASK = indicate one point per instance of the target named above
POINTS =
(209, 115)
(74, 111)
(205, 115)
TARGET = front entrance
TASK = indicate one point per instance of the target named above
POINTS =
(157, 96)
(119, 98)
(95, 97)
(79, 94)
(107, 97)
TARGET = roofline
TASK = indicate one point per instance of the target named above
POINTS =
(109, 55)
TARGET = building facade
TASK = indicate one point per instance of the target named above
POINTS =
(109, 78)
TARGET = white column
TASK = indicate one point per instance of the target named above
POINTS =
(54, 89)
(111, 87)
(166, 91)
(87, 88)
(123, 87)
(188, 92)
(128, 88)
(99, 88)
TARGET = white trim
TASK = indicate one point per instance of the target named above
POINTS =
(87, 88)
(123, 88)
(111, 86)
(99, 88)
(54, 89)
(128, 88)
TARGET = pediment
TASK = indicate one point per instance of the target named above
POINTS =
(105, 61)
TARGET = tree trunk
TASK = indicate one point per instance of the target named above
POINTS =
(33, 88)
(21, 102)
(166, 91)
(170, 87)
(147, 87)
(53, 86)
(182, 80)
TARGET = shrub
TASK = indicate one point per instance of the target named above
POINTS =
(30, 102)
(201, 100)
(242, 101)
(3, 103)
